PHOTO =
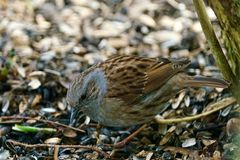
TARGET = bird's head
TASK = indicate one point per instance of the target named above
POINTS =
(86, 93)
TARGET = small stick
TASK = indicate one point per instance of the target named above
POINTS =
(13, 142)
(56, 150)
(130, 137)
(217, 106)
(43, 121)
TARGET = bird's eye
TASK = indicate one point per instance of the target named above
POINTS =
(83, 96)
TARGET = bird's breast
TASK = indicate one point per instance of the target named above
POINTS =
(115, 113)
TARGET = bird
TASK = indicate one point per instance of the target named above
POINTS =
(130, 90)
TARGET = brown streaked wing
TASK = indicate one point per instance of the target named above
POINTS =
(158, 76)
(162, 72)
(127, 76)
(130, 77)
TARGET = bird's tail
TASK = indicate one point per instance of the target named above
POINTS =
(200, 81)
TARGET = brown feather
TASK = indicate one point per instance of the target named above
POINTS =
(158, 76)
(135, 76)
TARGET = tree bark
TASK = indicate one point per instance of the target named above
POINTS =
(228, 15)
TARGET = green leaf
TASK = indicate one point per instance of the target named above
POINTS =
(30, 129)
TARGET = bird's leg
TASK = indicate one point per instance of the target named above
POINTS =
(98, 130)
(129, 138)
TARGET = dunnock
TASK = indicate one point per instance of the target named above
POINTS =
(130, 90)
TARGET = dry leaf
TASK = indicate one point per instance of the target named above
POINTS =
(34, 84)
(54, 140)
(69, 133)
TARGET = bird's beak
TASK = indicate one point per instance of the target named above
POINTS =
(75, 112)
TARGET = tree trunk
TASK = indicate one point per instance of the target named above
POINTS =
(228, 15)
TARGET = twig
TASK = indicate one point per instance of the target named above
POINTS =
(56, 150)
(43, 121)
(13, 142)
(217, 106)
(11, 122)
